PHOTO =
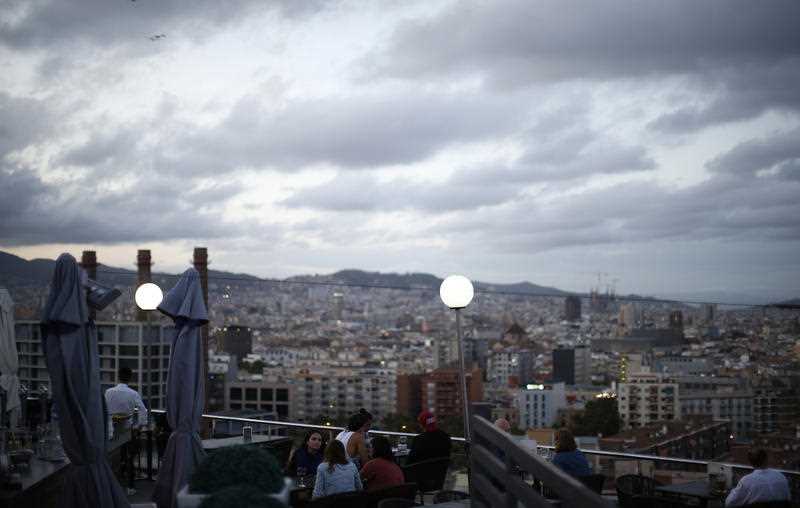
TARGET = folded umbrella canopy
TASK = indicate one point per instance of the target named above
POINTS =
(185, 397)
(9, 360)
(70, 344)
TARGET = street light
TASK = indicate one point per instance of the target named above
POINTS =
(456, 292)
(148, 297)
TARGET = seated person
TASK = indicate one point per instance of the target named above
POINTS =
(568, 458)
(306, 459)
(354, 438)
(760, 486)
(381, 471)
(336, 474)
(433, 443)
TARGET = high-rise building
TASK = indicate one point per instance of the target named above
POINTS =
(409, 394)
(676, 320)
(646, 398)
(572, 308)
(572, 366)
(441, 390)
(268, 395)
(338, 306)
(510, 366)
(776, 404)
(538, 405)
(237, 340)
(141, 347)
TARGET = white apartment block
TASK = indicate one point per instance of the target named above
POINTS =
(120, 344)
(646, 398)
(344, 390)
(510, 363)
(538, 405)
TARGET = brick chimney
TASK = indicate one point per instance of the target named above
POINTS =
(143, 271)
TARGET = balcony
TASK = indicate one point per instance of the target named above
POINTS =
(526, 478)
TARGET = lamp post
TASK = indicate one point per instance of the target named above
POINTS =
(148, 297)
(456, 292)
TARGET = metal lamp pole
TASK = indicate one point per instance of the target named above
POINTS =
(463, 372)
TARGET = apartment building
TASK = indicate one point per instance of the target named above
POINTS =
(647, 398)
(538, 405)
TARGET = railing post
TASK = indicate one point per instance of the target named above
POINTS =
(150, 454)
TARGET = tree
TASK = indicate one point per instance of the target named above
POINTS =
(601, 416)
(399, 423)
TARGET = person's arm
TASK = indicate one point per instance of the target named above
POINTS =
(291, 464)
(110, 418)
(142, 410)
(361, 447)
(319, 488)
(737, 495)
(367, 472)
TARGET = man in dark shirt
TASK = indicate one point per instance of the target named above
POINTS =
(432, 443)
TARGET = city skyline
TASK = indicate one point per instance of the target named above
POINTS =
(507, 141)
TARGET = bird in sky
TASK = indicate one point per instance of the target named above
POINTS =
(157, 36)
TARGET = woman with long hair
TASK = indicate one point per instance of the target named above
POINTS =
(381, 471)
(336, 474)
(305, 459)
(354, 438)
(568, 458)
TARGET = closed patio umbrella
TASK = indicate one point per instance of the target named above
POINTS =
(9, 360)
(185, 397)
(70, 344)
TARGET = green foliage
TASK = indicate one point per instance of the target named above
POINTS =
(241, 496)
(256, 367)
(237, 465)
(601, 416)
(396, 422)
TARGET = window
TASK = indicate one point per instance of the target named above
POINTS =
(129, 350)
(236, 393)
(282, 394)
(251, 394)
(266, 394)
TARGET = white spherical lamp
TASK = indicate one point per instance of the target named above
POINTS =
(456, 291)
(148, 296)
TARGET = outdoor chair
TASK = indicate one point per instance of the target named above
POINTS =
(396, 502)
(344, 500)
(632, 485)
(280, 449)
(594, 482)
(449, 495)
(403, 490)
(429, 475)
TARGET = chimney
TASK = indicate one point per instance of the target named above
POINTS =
(89, 265)
(143, 266)
(200, 263)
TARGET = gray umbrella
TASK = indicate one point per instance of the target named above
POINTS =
(185, 399)
(9, 359)
(70, 344)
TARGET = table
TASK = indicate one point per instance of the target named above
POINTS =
(258, 439)
(699, 489)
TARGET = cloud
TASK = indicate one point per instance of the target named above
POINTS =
(22, 122)
(780, 150)
(355, 132)
(740, 58)
(50, 23)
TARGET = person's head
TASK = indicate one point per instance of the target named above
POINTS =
(381, 448)
(313, 441)
(427, 421)
(335, 454)
(502, 424)
(360, 422)
(125, 375)
(565, 442)
(757, 458)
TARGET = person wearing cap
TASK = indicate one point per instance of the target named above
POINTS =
(432, 443)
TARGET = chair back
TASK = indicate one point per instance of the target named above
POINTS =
(403, 490)
(343, 500)
(429, 475)
(280, 449)
(446, 496)
(396, 502)
(594, 482)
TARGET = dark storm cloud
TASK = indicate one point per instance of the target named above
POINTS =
(741, 56)
(780, 150)
(22, 121)
(351, 132)
(155, 208)
(43, 23)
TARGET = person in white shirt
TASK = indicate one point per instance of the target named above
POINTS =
(760, 486)
(123, 400)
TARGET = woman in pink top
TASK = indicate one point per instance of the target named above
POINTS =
(381, 471)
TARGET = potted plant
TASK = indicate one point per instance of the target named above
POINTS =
(234, 466)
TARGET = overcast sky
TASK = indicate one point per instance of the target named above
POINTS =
(655, 141)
